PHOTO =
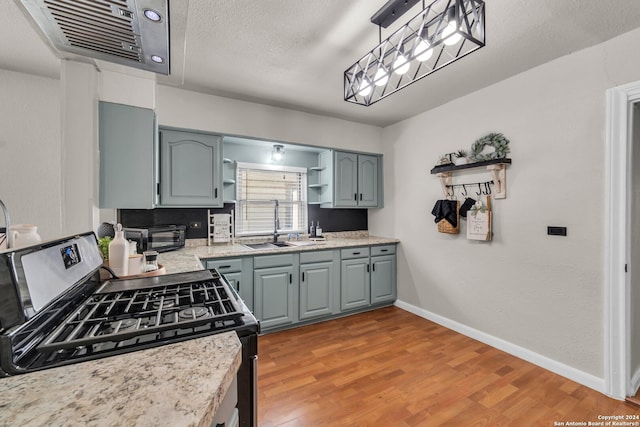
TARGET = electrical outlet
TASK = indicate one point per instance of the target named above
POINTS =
(195, 224)
(556, 231)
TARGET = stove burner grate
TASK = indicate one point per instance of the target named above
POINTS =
(126, 314)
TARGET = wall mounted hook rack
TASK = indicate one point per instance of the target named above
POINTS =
(497, 168)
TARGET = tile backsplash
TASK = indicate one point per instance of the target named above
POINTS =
(331, 220)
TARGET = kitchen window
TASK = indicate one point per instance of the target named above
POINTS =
(258, 186)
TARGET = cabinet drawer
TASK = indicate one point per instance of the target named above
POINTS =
(383, 250)
(354, 253)
(315, 256)
(225, 265)
(272, 260)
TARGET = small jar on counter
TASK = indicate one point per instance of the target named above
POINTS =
(150, 261)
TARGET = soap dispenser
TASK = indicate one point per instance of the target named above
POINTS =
(119, 253)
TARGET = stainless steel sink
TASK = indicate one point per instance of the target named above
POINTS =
(279, 245)
(266, 245)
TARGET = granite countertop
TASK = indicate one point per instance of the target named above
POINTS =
(188, 258)
(179, 384)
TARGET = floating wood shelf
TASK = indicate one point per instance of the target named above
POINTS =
(447, 168)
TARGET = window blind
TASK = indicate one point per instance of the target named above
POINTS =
(257, 188)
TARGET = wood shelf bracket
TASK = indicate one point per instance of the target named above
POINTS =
(499, 176)
(445, 182)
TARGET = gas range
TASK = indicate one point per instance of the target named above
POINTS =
(55, 311)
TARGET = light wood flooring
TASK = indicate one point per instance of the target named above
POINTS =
(389, 367)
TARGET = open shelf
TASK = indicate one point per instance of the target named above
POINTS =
(447, 168)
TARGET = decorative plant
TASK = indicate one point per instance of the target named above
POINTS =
(103, 244)
(460, 153)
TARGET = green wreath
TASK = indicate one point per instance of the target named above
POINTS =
(495, 140)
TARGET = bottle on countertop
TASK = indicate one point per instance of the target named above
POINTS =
(119, 253)
(318, 230)
(312, 230)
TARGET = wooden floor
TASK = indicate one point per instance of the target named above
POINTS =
(389, 367)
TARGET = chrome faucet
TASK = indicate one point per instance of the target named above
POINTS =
(276, 222)
(6, 222)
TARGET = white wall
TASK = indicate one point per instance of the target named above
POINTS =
(541, 293)
(192, 110)
(30, 181)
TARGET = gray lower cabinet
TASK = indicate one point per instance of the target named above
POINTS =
(190, 169)
(316, 297)
(355, 283)
(239, 274)
(127, 142)
(383, 278)
(274, 296)
(285, 289)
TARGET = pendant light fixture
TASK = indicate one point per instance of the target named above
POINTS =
(443, 32)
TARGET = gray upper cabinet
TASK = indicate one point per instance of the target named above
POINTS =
(127, 142)
(346, 179)
(190, 169)
(367, 181)
(356, 180)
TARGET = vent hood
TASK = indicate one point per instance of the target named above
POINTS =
(134, 33)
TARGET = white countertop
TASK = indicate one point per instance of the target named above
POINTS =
(179, 384)
(188, 258)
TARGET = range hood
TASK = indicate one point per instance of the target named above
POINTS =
(134, 33)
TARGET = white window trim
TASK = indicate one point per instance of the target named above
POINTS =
(277, 168)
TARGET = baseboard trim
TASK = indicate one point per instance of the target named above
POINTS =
(554, 366)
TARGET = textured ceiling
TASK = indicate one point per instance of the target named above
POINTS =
(293, 53)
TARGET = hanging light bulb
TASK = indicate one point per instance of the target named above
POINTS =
(278, 153)
(401, 65)
(423, 51)
(381, 78)
(365, 87)
(450, 35)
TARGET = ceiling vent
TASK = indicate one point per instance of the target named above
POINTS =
(134, 33)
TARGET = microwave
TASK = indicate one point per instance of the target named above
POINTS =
(161, 238)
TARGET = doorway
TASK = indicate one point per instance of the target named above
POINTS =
(622, 242)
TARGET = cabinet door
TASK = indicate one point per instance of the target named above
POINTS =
(315, 290)
(127, 141)
(355, 290)
(274, 296)
(346, 179)
(367, 181)
(383, 278)
(190, 169)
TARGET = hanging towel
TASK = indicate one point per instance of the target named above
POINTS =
(468, 204)
(447, 210)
